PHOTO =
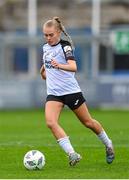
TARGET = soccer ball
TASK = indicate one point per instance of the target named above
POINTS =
(34, 159)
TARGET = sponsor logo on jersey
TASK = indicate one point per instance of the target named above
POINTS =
(48, 64)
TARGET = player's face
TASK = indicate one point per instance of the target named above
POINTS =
(52, 35)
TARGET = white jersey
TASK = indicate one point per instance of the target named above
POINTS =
(59, 82)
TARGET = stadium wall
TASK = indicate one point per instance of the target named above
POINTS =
(32, 93)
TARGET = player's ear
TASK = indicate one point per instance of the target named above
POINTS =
(59, 31)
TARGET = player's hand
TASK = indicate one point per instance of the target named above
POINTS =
(55, 64)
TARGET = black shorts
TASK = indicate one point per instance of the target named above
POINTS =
(73, 101)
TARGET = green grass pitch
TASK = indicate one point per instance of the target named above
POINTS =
(23, 130)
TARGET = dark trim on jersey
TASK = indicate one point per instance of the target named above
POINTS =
(67, 43)
(56, 44)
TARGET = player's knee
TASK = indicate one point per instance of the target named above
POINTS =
(50, 124)
(89, 124)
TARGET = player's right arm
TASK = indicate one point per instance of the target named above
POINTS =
(43, 72)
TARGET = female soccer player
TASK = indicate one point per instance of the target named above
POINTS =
(58, 69)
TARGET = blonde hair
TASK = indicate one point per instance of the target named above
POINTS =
(55, 21)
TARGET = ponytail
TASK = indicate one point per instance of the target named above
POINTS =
(62, 28)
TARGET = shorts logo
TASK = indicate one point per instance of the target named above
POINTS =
(76, 102)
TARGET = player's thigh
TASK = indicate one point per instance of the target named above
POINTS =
(82, 113)
(53, 110)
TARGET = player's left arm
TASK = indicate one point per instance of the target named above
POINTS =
(70, 66)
